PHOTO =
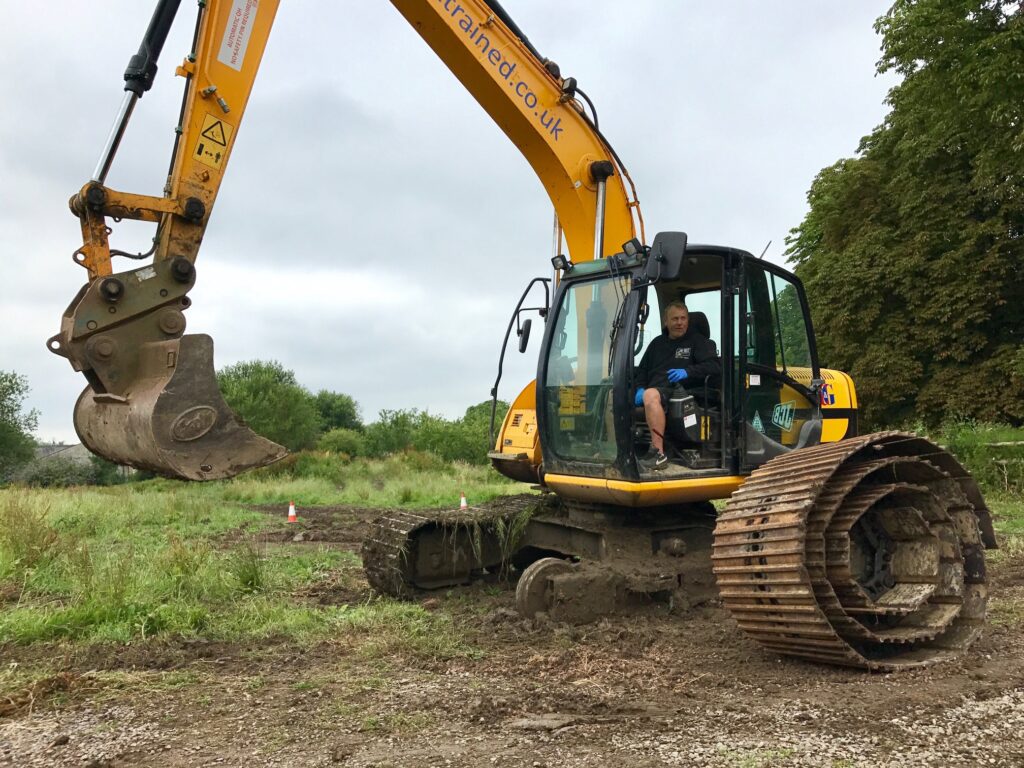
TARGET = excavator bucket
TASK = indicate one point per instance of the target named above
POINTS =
(152, 400)
(174, 420)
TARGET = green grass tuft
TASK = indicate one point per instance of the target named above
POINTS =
(387, 628)
(992, 453)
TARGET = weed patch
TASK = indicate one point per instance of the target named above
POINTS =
(386, 628)
(27, 539)
(992, 453)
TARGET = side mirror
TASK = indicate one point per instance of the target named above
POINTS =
(524, 334)
(666, 259)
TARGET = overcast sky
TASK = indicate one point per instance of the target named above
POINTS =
(375, 228)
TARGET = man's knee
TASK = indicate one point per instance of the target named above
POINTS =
(652, 398)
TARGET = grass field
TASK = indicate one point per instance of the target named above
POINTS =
(159, 623)
(168, 559)
(165, 558)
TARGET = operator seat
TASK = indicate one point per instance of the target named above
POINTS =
(699, 323)
(706, 391)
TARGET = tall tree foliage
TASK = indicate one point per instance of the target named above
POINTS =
(272, 402)
(16, 424)
(913, 252)
(337, 411)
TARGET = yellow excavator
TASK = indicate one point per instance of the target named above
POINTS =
(862, 550)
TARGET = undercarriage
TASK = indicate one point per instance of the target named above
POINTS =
(867, 553)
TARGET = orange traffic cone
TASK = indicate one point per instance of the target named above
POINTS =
(462, 501)
(292, 517)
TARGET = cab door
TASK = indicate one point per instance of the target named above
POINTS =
(777, 363)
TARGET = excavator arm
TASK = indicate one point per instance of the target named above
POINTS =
(152, 400)
(537, 109)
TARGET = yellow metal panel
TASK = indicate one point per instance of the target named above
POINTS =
(518, 433)
(643, 494)
(232, 38)
(841, 394)
(840, 389)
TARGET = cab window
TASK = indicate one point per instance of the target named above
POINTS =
(577, 377)
(778, 361)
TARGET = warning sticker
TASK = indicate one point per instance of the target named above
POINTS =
(212, 145)
(215, 133)
(756, 423)
(233, 45)
(572, 399)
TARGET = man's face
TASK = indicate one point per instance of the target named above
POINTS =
(677, 320)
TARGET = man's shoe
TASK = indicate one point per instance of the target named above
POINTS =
(658, 461)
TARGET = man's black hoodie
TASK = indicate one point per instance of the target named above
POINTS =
(696, 354)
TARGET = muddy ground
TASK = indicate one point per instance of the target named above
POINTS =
(647, 690)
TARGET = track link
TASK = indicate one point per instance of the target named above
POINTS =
(388, 552)
(866, 553)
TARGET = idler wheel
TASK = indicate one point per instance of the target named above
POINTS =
(534, 592)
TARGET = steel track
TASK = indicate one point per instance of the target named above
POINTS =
(390, 551)
(866, 553)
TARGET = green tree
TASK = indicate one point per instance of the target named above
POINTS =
(911, 251)
(342, 440)
(16, 444)
(392, 432)
(337, 411)
(465, 439)
(271, 401)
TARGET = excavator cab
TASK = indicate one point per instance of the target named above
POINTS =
(765, 401)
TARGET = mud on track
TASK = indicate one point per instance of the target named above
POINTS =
(651, 689)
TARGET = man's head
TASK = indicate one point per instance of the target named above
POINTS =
(676, 319)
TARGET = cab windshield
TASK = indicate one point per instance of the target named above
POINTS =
(578, 379)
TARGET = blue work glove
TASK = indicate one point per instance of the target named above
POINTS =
(639, 399)
(675, 375)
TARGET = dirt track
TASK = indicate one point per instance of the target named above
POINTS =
(648, 690)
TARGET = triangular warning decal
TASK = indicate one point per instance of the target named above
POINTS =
(212, 142)
(215, 133)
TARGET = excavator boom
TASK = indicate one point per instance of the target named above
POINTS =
(152, 399)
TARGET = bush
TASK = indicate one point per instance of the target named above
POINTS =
(466, 439)
(391, 433)
(57, 472)
(106, 472)
(452, 440)
(342, 440)
(338, 411)
(305, 464)
(992, 453)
